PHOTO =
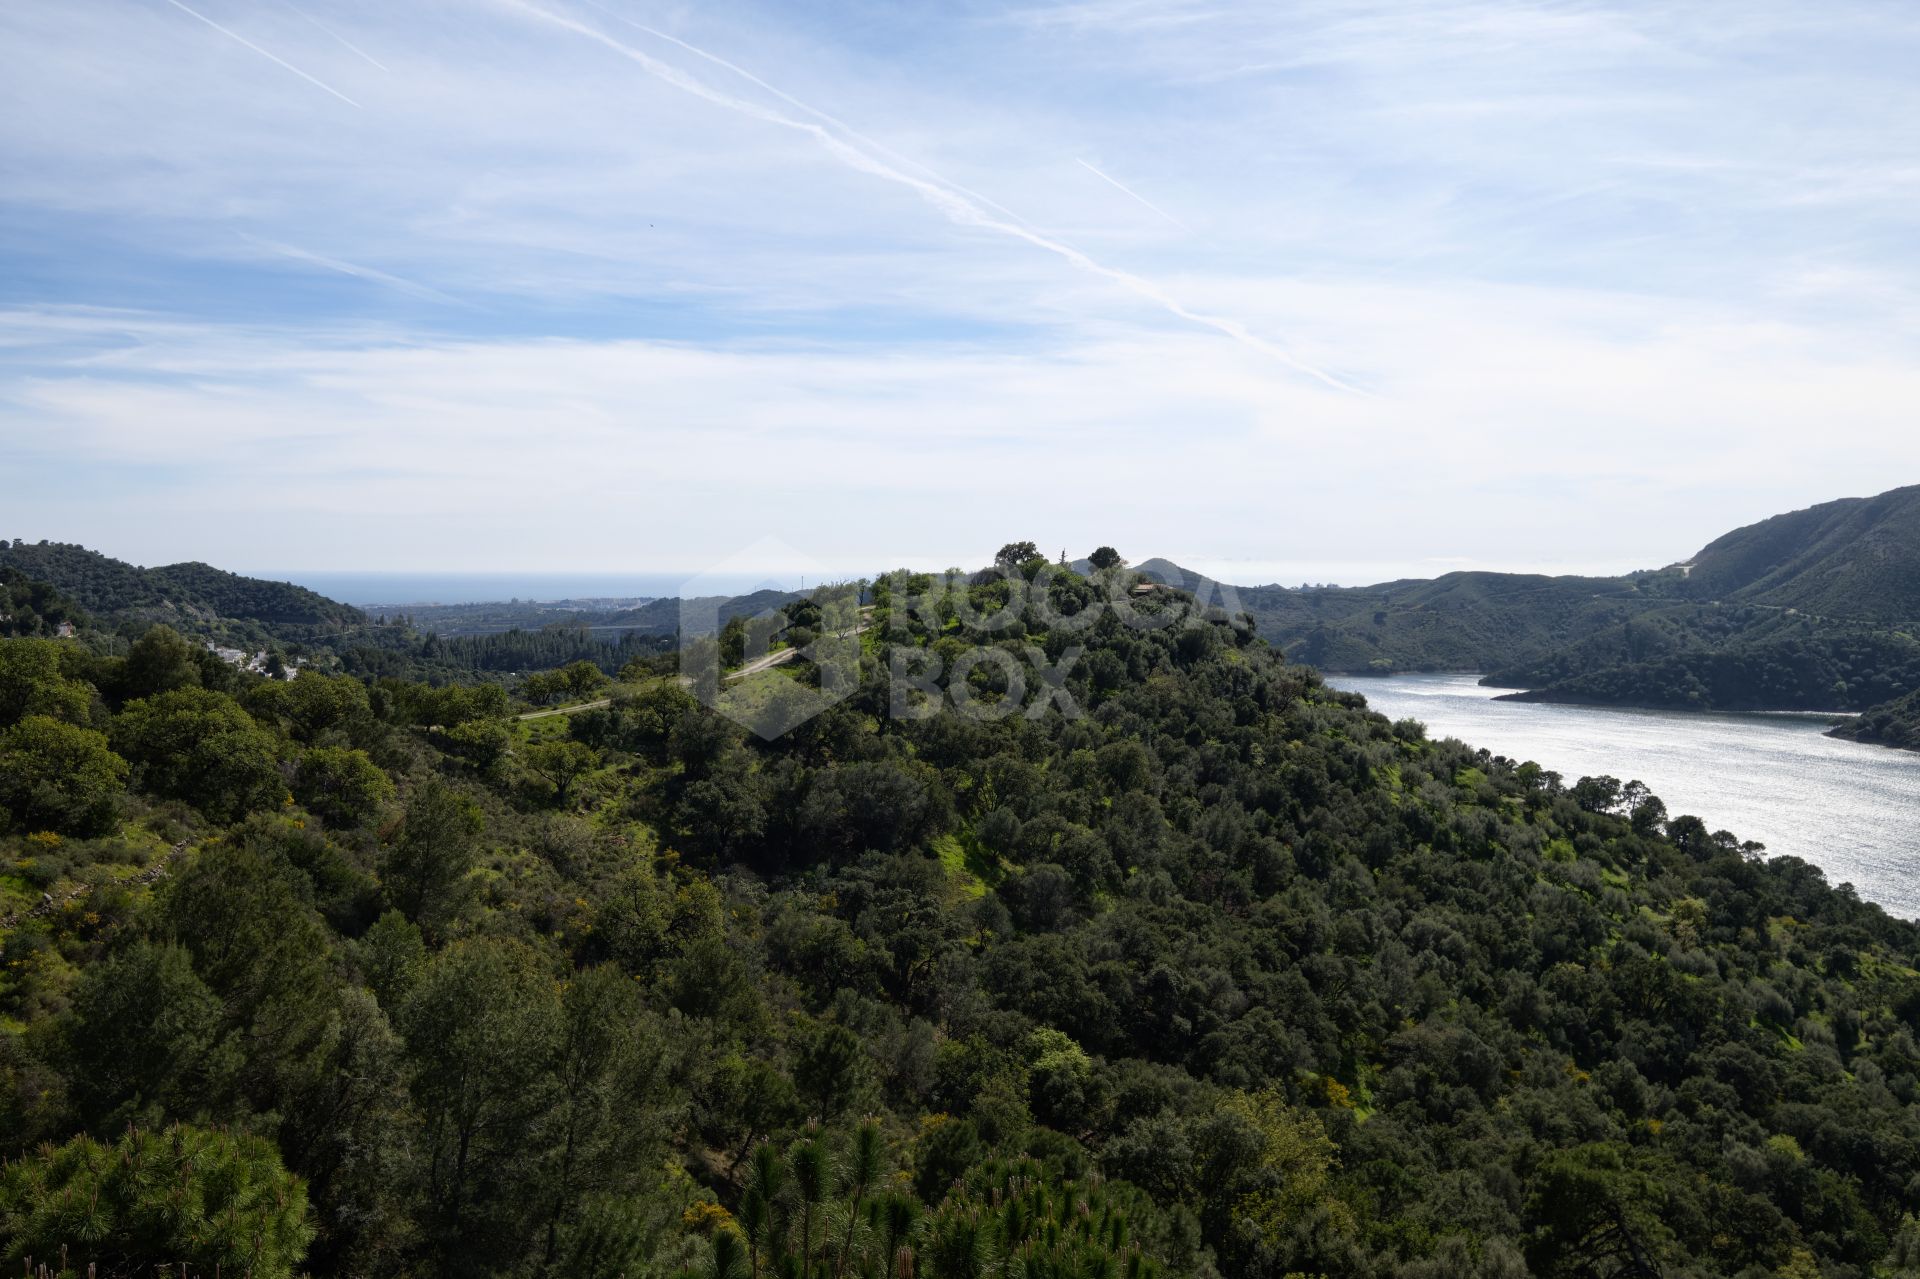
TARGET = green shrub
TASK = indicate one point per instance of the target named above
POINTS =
(200, 1199)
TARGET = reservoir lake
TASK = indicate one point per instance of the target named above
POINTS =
(1853, 810)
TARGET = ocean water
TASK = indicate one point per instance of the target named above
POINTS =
(1850, 809)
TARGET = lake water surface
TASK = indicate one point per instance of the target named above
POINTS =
(1850, 809)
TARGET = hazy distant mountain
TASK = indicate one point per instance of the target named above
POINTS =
(663, 616)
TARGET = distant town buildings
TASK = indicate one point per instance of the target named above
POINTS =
(258, 663)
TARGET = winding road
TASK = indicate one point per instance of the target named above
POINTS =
(767, 662)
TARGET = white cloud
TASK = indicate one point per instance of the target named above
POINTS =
(1533, 428)
(1620, 275)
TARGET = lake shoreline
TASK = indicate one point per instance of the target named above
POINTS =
(1772, 776)
(1542, 697)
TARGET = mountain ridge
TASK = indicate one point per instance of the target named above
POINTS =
(1858, 555)
(191, 591)
(1814, 609)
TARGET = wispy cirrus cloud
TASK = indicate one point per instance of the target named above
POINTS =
(1131, 194)
(274, 58)
(352, 269)
(943, 196)
(345, 43)
(1665, 250)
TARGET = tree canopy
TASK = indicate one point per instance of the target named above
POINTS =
(1162, 959)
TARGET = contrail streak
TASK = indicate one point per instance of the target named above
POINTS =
(336, 35)
(957, 208)
(234, 35)
(353, 269)
(811, 110)
(1122, 187)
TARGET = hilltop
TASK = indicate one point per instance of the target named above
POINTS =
(1856, 559)
(189, 597)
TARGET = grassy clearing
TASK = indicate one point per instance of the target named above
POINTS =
(972, 868)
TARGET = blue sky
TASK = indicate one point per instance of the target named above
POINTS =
(1327, 291)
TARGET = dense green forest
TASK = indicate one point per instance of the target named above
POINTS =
(1177, 963)
(647, 616)
(1745, 659)
(403, 653)
(436, 644)
(29, 608)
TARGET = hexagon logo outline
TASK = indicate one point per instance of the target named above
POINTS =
(757, 695)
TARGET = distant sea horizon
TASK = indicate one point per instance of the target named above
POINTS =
(365, 589)
(379, 588)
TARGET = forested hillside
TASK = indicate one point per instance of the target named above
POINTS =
(29, 608)
(1725, 659)
(185, 595)
(1462, 621)
(1855, 559)
(1813, 610)
(1176, 963)
(399, 652)
(1897, 723)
